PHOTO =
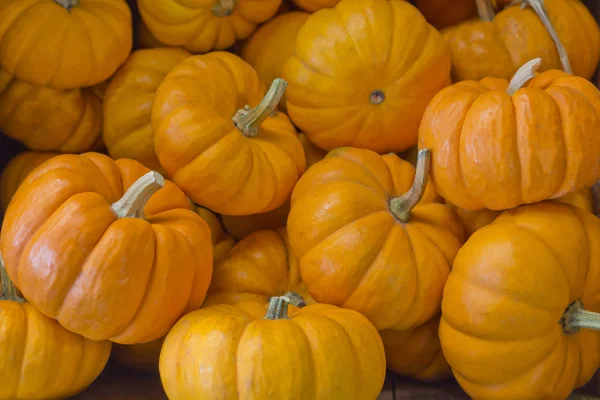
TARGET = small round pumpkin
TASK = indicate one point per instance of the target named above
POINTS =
(202, 26)
(363, 73)
(513, 318)
(64, 44)
(221, 241)
(416, 353)
(128, 104)
(227, 157)
(104, 249)
(44, 119)
(41, 359)
(497, 144)
(369, 241)
(16, 171)
(249, 351)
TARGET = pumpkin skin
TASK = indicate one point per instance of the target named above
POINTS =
(505, 298)
(222, 243)
(43, 119)
(128, 104)
(498, 48)
(445, 13)
(220, 335)
(35, 46)
(545, 135)
(350, 245)
(202, 26)
(363, 73)
(16, 171)
(104, 277)
(416, 353)
(272, 45)
(206, 155)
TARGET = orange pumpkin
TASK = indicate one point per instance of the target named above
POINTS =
(221, 241)
(204, 26)
(124, 272)
(363, 73)
(64, 44)
(226, 156)
(416, 353)
(496, 145)
(43, 119)
(445, 13)
(144, 38)
(513, 317)
(272, 45)
(359, 228)
(561, 32)
(41, 359)
(128, 104)
(16, 171)
(239, 352)
(139, 357)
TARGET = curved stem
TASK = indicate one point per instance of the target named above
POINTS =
(132, 204)
(401, 207)
(9, 290)
(68, 4)
(485, 10)
(576, 317)
(248, 120)
(540, 10)
(223, 8)
(523, 75)
(278, 305)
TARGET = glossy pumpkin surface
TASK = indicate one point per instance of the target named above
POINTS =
(128, 104)
(64, 44)
(363, 73)
(100, 273)
(230, 170)
(504, 329)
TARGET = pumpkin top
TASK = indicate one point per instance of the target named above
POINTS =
(68, 4)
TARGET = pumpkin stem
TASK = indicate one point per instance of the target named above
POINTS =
(485, 10)
(401, 206)
(523, 75)
(248, 120)
(68, 4)
(223, 8)
(9, 290)
(132, 204)
(278, 305)
(576, 317)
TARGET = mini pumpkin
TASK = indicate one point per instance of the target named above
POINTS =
(97, 245)
(204, 26)
(497, 144)
(221, 241)
(562, 33)
(239, 351)
(416, 353)
(358, 227)
(128, 104)
(44, 119)
(513, 307)
(41, 359)
(363, 73)
(17, 170)
(225, 155)
(64, 44)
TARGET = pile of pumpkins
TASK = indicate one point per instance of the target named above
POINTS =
(269, 200)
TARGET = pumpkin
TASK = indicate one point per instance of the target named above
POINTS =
(227, 157)
(497, 145)
(272, 44)
(561, 32)
(367, 240)
(97, 245)
(239, 352)
(222, 243)
(64, 44)
(445, 13)
(141, 357)
(16, 171)
(207, 25)
(41, 359)
(416, 353)
(363, 73)
(128, 104)
(43, 119)
(144, 38)
(513, 308)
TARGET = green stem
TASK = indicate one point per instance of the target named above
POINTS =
(278, 305)
(248, 120)
(132, 204)
(9, 290)
(401, 206)
(523, 75)
(485, 10)
(223, 8)
(576, 317)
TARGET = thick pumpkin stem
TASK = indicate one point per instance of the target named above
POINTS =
(401, 207)
(223, 8)
(485, 10)
(576, 317)
(9, 290)
(68, 4)
(278, 305)
(523, 75)
(132, 204)
(248, 120)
